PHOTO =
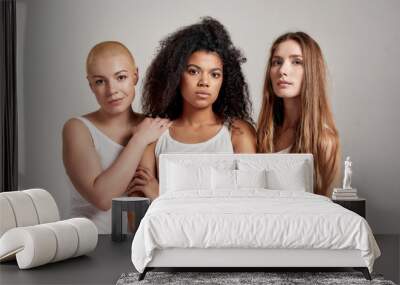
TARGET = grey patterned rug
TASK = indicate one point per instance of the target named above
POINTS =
(230, 278)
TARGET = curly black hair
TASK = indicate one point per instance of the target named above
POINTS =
(161, 92)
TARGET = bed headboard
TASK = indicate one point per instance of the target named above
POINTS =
(283, 165)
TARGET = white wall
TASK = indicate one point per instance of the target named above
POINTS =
(360, 41)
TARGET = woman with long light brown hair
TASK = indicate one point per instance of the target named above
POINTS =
(295, 115)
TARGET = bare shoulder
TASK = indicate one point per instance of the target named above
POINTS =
(139, 118)
(75, 130)
(243, 137)
(73, 126)
(241, 127)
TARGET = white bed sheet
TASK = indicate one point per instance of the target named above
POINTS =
(251, 218)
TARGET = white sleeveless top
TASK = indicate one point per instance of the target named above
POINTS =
(108, 151)
(285, 150)
(220, 143)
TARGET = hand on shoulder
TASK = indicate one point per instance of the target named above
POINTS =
(150, 129)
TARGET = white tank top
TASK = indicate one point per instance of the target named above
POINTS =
(220, 143)
(108, 151)
(285, 150)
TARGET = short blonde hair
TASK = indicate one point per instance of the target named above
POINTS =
(108, 48)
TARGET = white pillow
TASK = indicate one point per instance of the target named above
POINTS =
(188, 177)
(223, 179)
(224, 164)
(293, 178)
(229, 179)
(251, 178)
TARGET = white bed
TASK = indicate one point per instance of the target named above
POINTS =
(240, 211)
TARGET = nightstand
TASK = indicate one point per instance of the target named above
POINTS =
(137, 205)
(356, 205)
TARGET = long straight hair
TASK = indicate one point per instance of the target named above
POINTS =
(316, 132)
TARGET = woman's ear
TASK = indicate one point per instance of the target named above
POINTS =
(136, 75)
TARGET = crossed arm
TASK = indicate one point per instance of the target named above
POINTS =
(83, 166)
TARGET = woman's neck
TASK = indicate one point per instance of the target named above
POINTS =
(121, 119)
(292, 111)
(198, 117)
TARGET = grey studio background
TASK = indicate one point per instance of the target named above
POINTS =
(360, 41)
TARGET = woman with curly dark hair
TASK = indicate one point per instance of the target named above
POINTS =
(196, 81)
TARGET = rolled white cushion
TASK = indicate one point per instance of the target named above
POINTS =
(33, 246)
(67, 240)
(46, 207)
(7, 218)
(26, 208)
(87, 234)
(40, 244)
(23, 208)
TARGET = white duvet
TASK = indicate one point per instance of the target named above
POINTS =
(253, 218)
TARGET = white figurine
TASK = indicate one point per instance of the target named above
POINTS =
(347, 174)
